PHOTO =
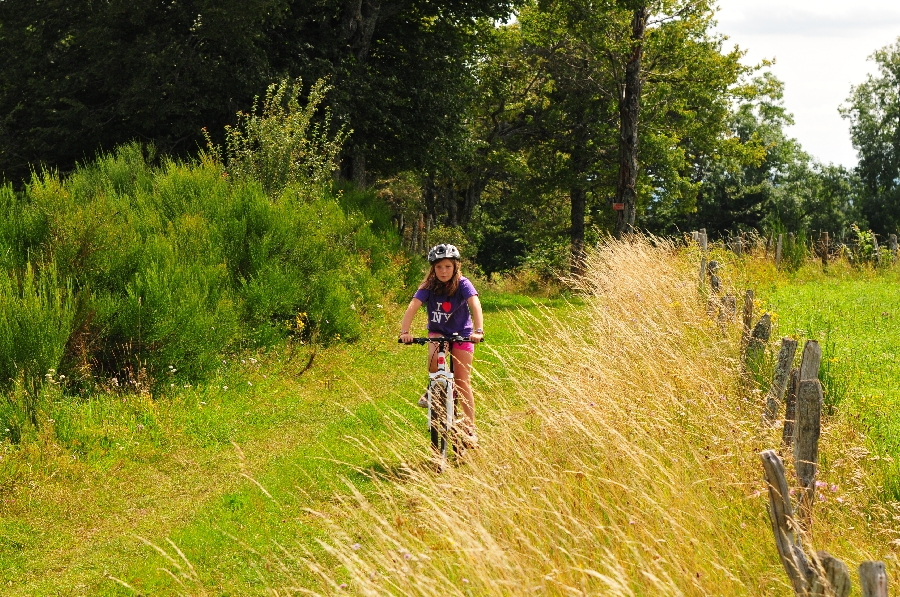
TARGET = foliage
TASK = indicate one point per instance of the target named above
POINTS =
(873, 110)
(37, 311)
(149, 274)
(282, 145)
(773, 185)
(78, 77)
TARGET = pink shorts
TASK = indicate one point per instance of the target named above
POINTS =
(467, 346)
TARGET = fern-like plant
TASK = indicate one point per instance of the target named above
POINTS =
(285, 143)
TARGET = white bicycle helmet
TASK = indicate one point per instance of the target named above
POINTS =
(442, 251)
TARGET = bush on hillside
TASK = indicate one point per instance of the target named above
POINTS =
(283, 144)
(144, 272)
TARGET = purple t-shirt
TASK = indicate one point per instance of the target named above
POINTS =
(449, 314)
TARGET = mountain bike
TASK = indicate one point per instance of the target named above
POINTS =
(442, 401)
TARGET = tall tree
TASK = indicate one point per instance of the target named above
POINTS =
(629, 120)
(77, 76)
(626, 76)
(873, 110)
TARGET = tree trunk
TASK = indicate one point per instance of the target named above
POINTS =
(629, 116)
(578, 198)
(452, 207)
(358, 26)
(472, 198)
(429, 195)
(358, 161)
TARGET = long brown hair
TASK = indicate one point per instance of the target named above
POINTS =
(435, 286)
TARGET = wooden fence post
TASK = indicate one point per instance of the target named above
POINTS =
(892, 244)
(748, 317)
(759, 337)
(779, 379)
(714, 280)
(823, 576)
(795, 562)
(808, 428)
(703, 248)
(778, 247)
(729, 308)
(836, 574)
(811, 360)
(824, 248)
(873, 579)
(877, 255)
(790, 409)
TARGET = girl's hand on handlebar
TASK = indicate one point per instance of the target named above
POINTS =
(406, 338)
(476, 337)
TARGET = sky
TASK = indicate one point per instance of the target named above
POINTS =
(821, 49)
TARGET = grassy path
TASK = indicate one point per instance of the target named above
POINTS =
(223, 470)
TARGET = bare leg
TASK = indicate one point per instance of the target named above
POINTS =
(462, 371)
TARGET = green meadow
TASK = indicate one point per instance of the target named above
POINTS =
(854, 313)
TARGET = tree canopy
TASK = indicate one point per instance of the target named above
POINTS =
(523, 122)
(873, 110)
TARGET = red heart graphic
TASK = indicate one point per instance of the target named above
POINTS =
(446, 307)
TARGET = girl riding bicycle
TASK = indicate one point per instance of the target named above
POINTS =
(453, 308)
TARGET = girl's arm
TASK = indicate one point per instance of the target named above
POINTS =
(477, 318)
(405, 336)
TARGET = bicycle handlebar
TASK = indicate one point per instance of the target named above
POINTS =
(451, 339)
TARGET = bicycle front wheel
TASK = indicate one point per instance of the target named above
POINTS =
(438, 417)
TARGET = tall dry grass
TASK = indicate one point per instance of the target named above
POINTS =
(623, 462)
(626, 463)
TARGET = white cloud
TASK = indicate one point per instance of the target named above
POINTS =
(821, 49)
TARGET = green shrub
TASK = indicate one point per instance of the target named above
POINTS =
(283, 144)
(154, 272)
(36, 314)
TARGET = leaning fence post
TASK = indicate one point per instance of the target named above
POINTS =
(778, 247)
(779, 379)
(873, 579)
(748, 317)
(822, 576)
(790, 409)
(795, 562)
(892, 244)
(759, 337)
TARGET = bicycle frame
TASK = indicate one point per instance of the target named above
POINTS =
(441, 417)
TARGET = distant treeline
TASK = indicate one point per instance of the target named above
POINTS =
(535, 134)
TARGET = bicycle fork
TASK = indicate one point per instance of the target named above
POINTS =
(441, 416)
